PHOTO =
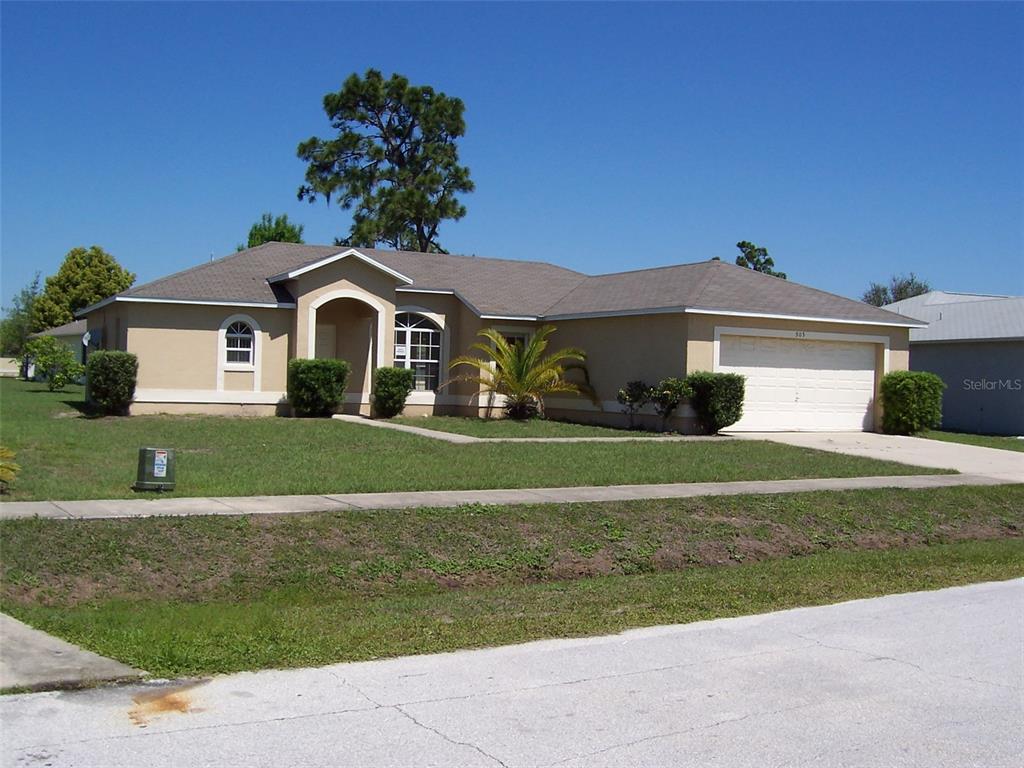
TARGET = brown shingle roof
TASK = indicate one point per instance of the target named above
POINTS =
(522, 288)
(712, 285)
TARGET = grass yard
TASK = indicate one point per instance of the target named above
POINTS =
(67, 456)
(510, 428)
(985, 441)
(184, 596)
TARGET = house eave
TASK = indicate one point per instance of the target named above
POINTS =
(802, 318)
(198, 302)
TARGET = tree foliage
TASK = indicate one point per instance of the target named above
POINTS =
(85, 277)
(54, 361)
(18, 320)
(522, 373)
(271, 229)
(394, 161)
(757, 259)
(900, 287)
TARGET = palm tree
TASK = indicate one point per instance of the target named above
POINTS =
(522, 372)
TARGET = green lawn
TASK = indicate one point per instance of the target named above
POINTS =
(67, 456)
(511, 428)
(185, 596)
(985, 441)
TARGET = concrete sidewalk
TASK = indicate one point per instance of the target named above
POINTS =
(30, 658)
(270, 505)
(923, 679)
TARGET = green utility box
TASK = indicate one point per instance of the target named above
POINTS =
(156, 470)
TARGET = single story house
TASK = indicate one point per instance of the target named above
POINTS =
(217, 338)
(975, 343)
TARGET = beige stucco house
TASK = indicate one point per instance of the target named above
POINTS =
(217, 338)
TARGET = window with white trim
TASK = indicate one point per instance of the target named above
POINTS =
(239, 344)
(418, 346)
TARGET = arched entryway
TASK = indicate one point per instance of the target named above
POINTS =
(349, 326)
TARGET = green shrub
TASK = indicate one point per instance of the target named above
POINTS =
(9, 469)
(717, 398)
(391, 387)
(316, 387)
(632, 397)
(911, 402)
(54, 362)
(667, 395)
(110, 377)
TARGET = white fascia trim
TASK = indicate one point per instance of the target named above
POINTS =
(803, 318)
(406, 289)
(232, 397)
(615, 313)
(798, 335)
(524, 318)
(143, 300)
(337, 257)
(980, 340)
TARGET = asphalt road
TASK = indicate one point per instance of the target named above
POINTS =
(928, 679)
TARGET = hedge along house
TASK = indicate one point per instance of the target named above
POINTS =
(217, 338)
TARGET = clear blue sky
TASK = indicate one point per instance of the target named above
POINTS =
(852, 140)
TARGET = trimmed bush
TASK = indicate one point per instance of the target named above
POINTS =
(316, 387)
(632, 397)
(391, 387)
(110, 380)
(717, 398)
(911, 402)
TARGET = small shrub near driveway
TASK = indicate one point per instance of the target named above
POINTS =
(911, 402)
(110, 378)
(54, 361)
(316, 387)
(717, 398)
(391, 387)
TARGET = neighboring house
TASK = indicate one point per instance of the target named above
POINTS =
(975, 343)
(70, 335)
(217, 338)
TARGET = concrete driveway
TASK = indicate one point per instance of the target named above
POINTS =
(928, 679)
(968, 459)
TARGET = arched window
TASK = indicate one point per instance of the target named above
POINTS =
(238, 344)
(418, 346)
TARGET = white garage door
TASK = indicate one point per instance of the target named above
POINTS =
(801, 384)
